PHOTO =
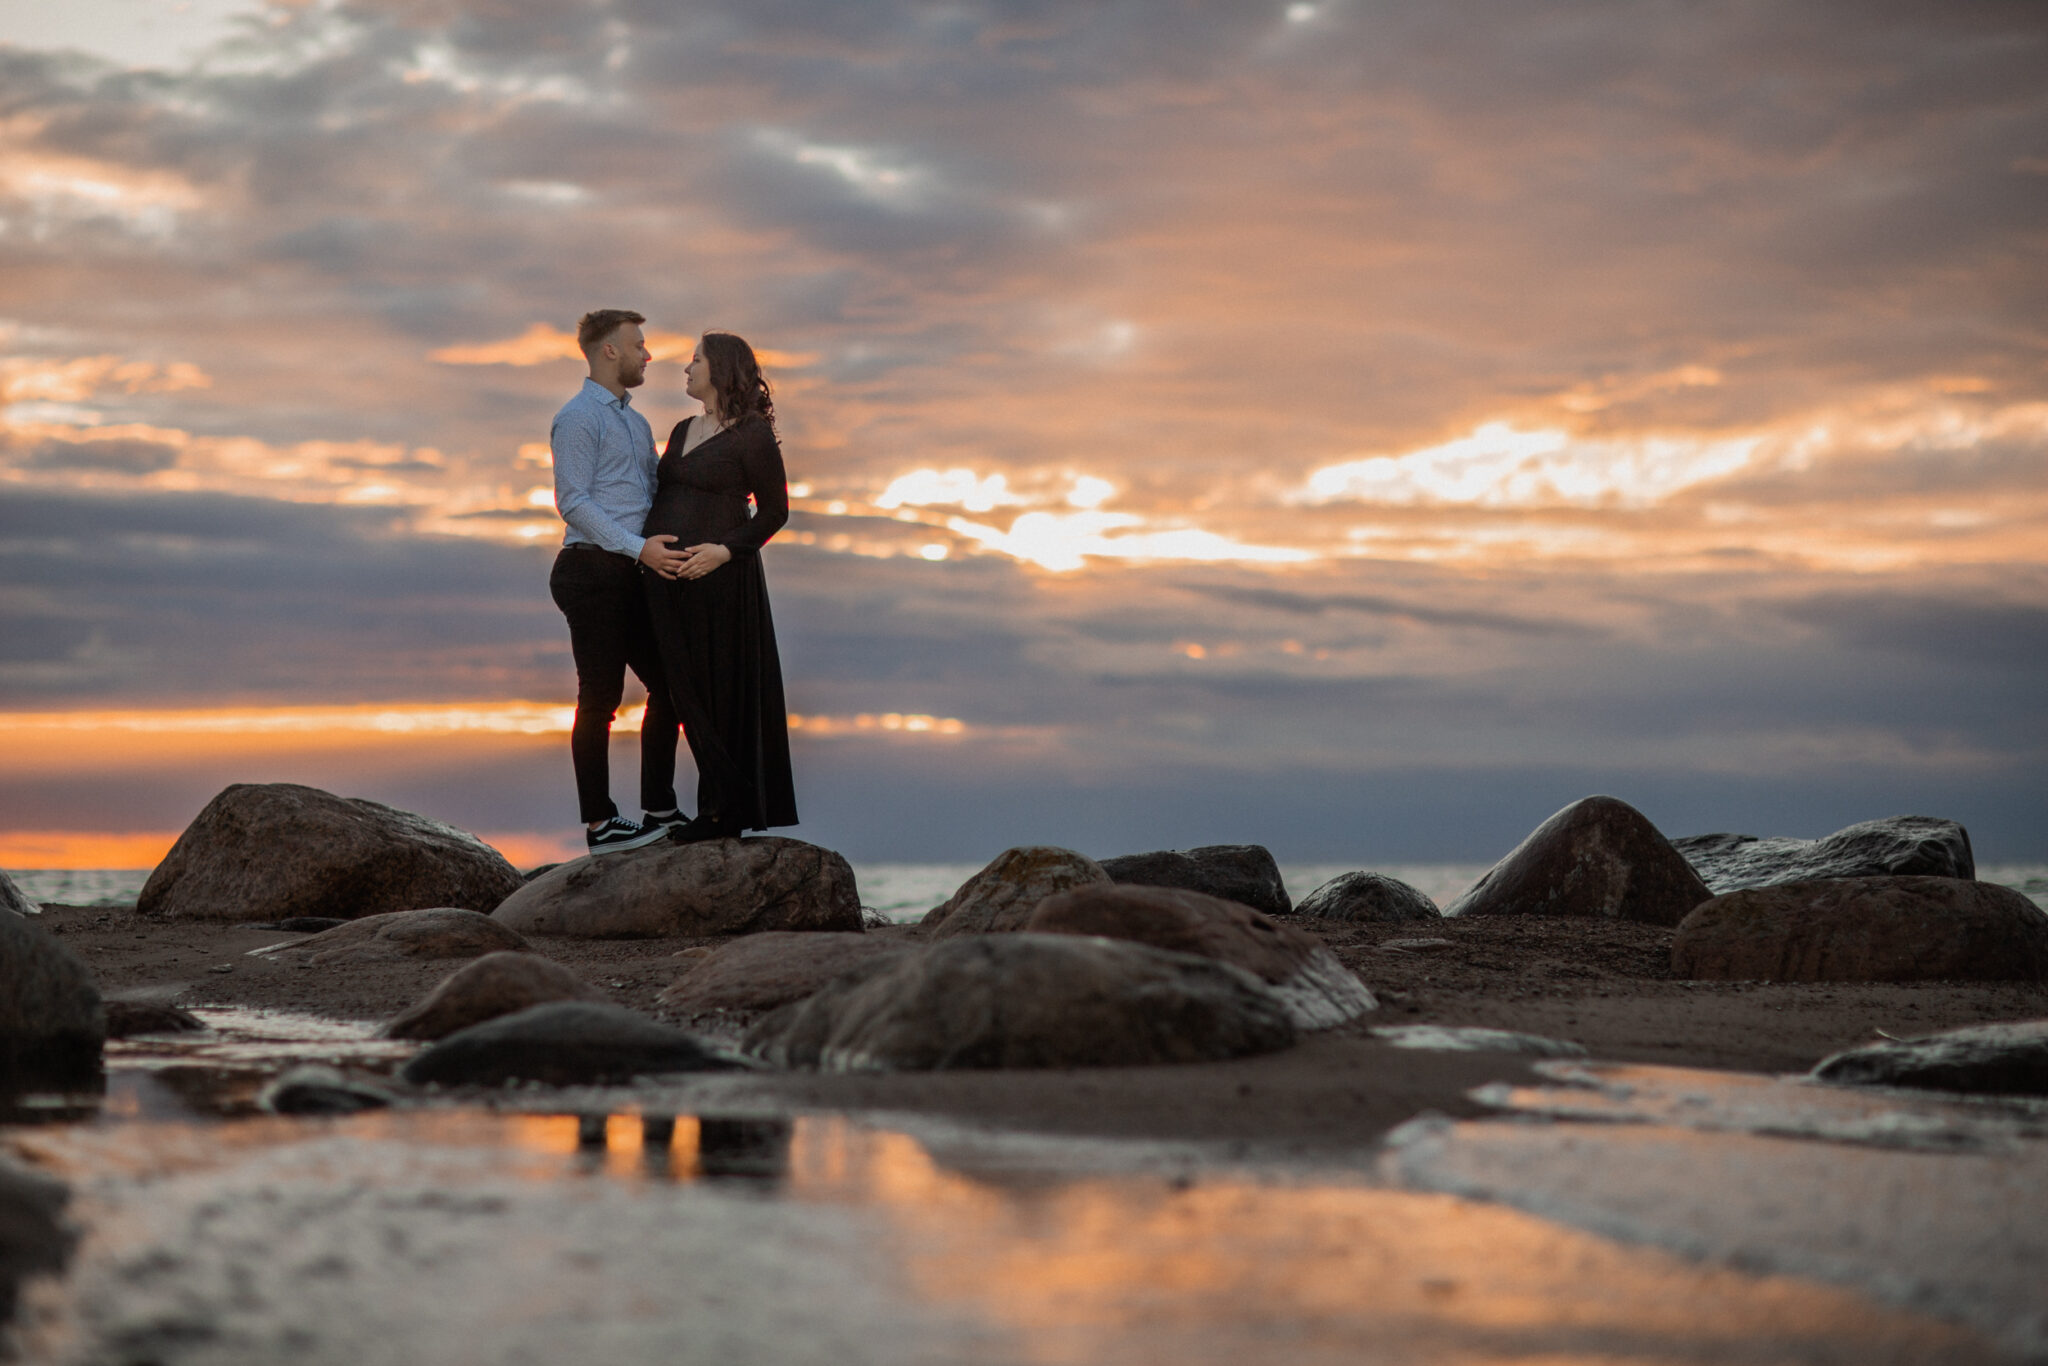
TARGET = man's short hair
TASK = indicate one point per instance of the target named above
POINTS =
(601, 323)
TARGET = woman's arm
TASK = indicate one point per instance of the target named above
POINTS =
(769, 483)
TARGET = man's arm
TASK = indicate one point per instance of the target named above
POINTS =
(574, 441)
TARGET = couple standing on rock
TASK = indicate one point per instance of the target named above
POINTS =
(660, 572)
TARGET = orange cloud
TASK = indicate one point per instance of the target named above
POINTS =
(540, 343)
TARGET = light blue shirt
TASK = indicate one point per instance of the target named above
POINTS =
(604, 470)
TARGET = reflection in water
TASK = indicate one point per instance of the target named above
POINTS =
(526, 1231)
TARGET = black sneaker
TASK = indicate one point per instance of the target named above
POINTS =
(619, 834)
(664, 820)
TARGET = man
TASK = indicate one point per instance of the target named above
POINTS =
(604, 485)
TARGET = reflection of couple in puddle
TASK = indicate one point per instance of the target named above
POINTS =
(660, 572)
(746, 1149)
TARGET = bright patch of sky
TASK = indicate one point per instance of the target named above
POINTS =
(167, 34)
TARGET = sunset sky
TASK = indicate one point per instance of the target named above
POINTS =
(1359, 428)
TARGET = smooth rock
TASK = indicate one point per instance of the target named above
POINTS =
(1244, 873)
(273, 851)
(52, 1024)
(1997, 1059)
(494, 985)
(562, 1043)
(725, 886)
(1472, 1039)
(1028, 1001)
(1367, 899)
(12, 898)
(316, 1089)
(35, 1239)
(301, 924)
(763, 971)
(1897, 846)
(1002, 896)
(436, 932)
(1597, 857)
(1866, 929)
(126, 1019)
(1317, 990)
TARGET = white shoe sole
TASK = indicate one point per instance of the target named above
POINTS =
(639, 841)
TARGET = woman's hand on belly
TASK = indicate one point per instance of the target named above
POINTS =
(700, 560)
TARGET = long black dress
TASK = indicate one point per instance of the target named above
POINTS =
(716, 636)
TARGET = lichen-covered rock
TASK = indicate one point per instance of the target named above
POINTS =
(273, 851)
(495, 984)
(1367, 899)
(562, 1043)
(1597, 857)
(1002, 896)
(52, 1024)
(434, 932)
(12, 898)
(1866, 929)
(1028, 1001)
(1244, 873)
(728, 886)
(1317, 990)
(1995, 1059)
(1896, 846)
(763, 971)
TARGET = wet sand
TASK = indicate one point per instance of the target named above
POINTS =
(1602, 984)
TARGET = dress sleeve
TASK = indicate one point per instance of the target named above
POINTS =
(769, 484)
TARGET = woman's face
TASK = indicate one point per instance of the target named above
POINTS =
(697, 380)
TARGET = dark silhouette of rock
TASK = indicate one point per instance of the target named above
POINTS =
(495, 984)
(1244, 873)
(1317, 990)
(12, 898)
(1002, 896)
(763, 971)
(316, 1089)
(126, 1019)
(1597, 857)
(1028, 1001)
(51, 1022)
(1995, 1059)
(562, 1043)
(1367, 899)
(274, 851)
(1866, 929)
(435, 932)
(1897, 846)
(727, 886)
(35, 1240)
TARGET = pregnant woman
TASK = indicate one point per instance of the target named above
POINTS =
(711, 617)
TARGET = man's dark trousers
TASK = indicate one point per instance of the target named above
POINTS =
(601, 595)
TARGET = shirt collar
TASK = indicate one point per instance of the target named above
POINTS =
(604, 395)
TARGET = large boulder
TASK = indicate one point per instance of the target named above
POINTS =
(1002, 896)
(763, 971)
(35, 1239)
(1317, 990)
(495, 984)
(1897, 846)
(1597, 857)
(1866, 929)
(12, 898)
(727, 886)
(562, 1043)
(1367, 899)
(1998, 1059)
(1028, 1000)
(1244, 873)
(435, 932)
(274, 851)
(52, 1024)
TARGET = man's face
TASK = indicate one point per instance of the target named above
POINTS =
(631, 348)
